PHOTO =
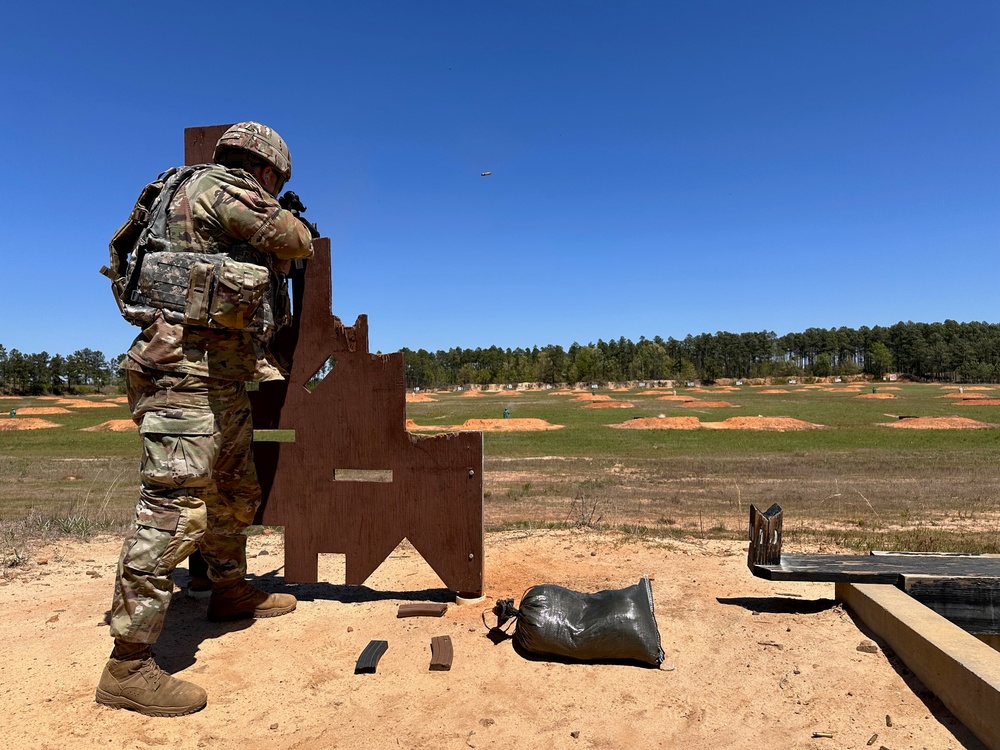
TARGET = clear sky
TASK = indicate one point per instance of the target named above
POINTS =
(658, 168)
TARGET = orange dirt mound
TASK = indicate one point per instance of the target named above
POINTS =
(964, 396)
(841, 390)
(937, 423)
(487, 425)
(418, 398)
(710, 404)
(675, 398)
(659, 423)
(609, 405)
(979, 402)
(774, 390)
(592, 397)
(30, 423)
(43, 410)
(113, 425)
(773, 424)
(875, 395)
(79, 403)
(509, 425)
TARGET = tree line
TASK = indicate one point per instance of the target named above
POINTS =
(948, 351)
(33, 374)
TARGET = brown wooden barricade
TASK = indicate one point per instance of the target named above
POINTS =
(336, 465)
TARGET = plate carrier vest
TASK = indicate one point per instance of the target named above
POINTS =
(233, 289)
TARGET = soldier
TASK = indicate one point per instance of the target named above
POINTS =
(198, 485)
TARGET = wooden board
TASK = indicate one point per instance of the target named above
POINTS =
(351, 479)
(971, 603)
(875, 568)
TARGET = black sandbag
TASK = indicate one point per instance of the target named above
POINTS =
(609, 625)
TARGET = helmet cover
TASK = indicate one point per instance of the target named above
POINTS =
(259, 140)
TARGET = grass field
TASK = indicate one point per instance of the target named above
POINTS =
(854, 482)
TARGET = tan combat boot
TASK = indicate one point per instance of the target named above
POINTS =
(235, 600)
(140, 685)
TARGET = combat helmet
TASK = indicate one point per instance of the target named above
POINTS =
(259, 140)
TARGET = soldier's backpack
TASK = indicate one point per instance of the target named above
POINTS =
(204, 289)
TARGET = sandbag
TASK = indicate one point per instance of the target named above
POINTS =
(609, 625)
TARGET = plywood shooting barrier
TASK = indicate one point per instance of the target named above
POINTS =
(336, 465)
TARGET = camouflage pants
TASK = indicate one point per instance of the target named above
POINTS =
(198, 489)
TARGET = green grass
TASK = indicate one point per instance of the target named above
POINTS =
(61, 480)
(855, 483)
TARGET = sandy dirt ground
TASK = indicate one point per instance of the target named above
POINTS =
(749, 663)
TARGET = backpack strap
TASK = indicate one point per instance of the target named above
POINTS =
(144, 231)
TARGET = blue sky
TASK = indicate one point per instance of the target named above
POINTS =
(658, 168)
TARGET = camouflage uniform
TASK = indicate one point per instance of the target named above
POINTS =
(186, 391)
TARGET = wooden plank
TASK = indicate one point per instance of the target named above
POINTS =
(933, 554)
(274, 436)
(971, 603)
(199, 143)
(875, 569)
(353, 425)
(962, 671)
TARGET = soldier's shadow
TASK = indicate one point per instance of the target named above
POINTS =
(187, 625)
(186, 629)
(322, 591)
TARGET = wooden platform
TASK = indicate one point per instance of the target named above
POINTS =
(963, 588)
(883, 568)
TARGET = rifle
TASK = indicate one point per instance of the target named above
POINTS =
(290, 201)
